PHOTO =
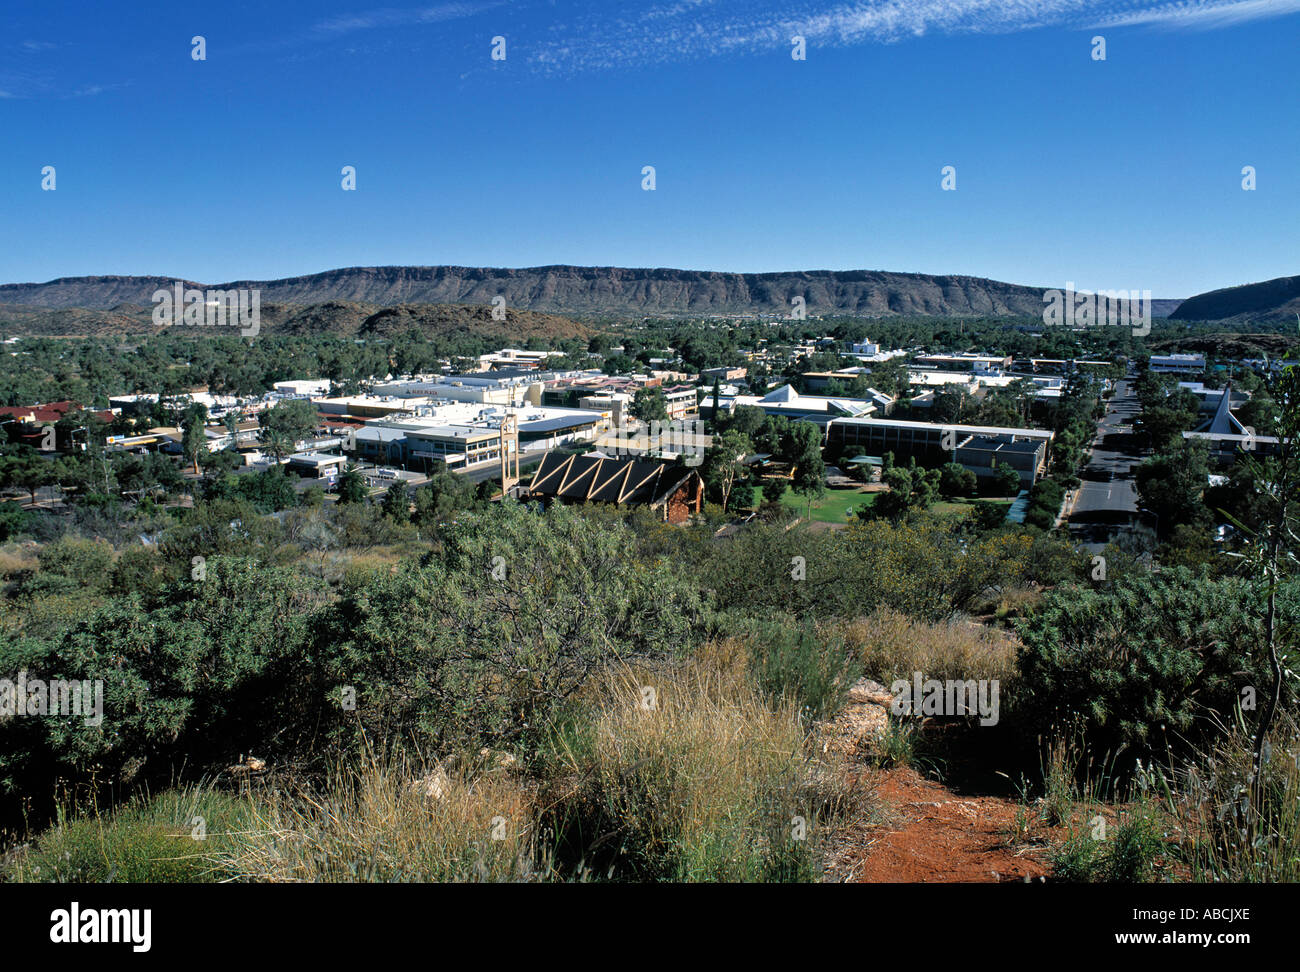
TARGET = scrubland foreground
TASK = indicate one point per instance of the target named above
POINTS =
(586, 695)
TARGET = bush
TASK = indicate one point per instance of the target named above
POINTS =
(796, 662)
(395, 821)
(219, 666)
(86, 562)
(893, 646)
(14, 520)
(705, 783)
(148, 841)
(1142, 662)
(480, 643)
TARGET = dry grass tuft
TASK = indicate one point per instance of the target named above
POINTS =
(893, 646)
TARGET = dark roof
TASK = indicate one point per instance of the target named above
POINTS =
(639, 482)
(562, 422)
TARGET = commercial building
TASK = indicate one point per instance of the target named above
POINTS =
(976, 447)
(1185, 364)
(785, 401)
(321, 465)
(462, 434)
(37, 426)
(304, 387)
(966, 361)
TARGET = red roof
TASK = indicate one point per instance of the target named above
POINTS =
(50, 412)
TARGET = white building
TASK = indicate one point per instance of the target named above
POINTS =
(1187, 364)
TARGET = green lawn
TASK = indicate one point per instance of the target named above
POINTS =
(831, 508)
(835, 504)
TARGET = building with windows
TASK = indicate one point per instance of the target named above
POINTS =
(462, 434)
(978, 448)
(1184, 364)
(785, 401)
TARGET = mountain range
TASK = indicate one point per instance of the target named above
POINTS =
(607, 291)
(108, 304)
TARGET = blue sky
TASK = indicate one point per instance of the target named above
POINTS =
(1119, 174)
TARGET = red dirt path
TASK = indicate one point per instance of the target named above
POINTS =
(934, 835)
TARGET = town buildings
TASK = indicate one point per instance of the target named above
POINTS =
(975, 447)
(672, 490)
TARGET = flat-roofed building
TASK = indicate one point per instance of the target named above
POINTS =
(976, 447)
(1187, 364)
(318, 464)
(304, 387)
(463, 433)
(966, 361)
(368, 406)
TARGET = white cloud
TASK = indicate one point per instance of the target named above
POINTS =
(392, 17)
(651, 33)
(1206, 15)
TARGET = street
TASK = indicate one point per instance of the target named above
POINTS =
(1107, 501)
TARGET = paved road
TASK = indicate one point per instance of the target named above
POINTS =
(1107, 502)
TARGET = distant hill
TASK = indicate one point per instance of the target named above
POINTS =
(1271, 302)
(339, 318)
(585, 290)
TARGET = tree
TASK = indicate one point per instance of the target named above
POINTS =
(29, 471)
(1044, 506)
(649, 405)
(988, 516)
(722, 469)
(1161, 425)
(352, 486)
(441, 498)
(397, 503)
(911, 488)
(1006, 480)
(222, 461)
(951, 404)
(1171, 484)
(747, 420)
(271, 489)
(801, 446)
(285, 425)
(194, 440)
(277, 443)
(774, 489)
(955, 480)
(618, 364)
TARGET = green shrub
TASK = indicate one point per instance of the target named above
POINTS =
(1133, 848)
(86, 562)
(1076, 861)
(794, 661)
(1140, 663)
(180, 836)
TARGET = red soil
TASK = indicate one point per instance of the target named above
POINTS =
(934, 835)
